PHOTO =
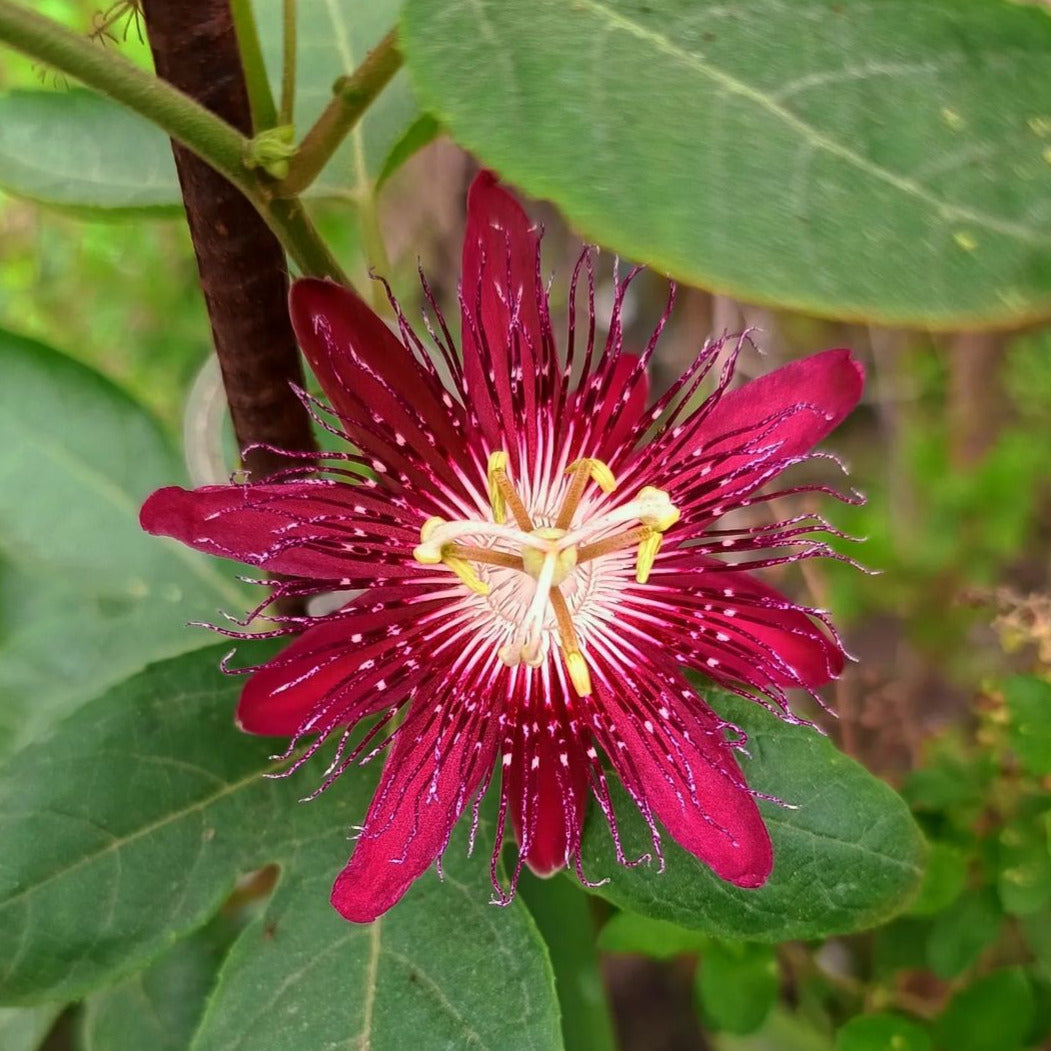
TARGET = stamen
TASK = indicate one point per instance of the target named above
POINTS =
(576, 665)
(647, 555)
(437, 534)
(656, 509)
(652, 507)
(548, 554)
(578, 673)
(497, 462)
(465, 571)
(582, 470)
(502, 494)
(613, 543)
(487, 556)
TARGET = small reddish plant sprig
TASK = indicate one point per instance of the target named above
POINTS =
(541, 555)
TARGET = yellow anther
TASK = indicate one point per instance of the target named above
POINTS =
(465, 571)
(656, 509)
(428, 527)
(497, 465)
(600, 474)
(648, 548)
(428, 553)
(578, 672)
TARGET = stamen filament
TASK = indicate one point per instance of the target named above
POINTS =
(629, 538)
(576, 665)
(436, 535)
(502, 494)
(582, 470)
(487, 555)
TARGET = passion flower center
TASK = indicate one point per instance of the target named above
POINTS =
(548, 555)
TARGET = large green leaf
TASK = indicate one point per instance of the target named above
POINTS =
(848, 857)
(128, 826)
(438, 971)
(75, 149)
(872, 159)
(85, 597)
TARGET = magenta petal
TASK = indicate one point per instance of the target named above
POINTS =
(681, 767)
(781, 415)
(709, 607)
(500, 293)
(297, 528)
(617, 413)
(277, 699)
(546, 782)
(827, 384)
(431, 774)
(339, 670)
(391, 405)
(556, 815)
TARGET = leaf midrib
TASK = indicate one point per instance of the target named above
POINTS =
(118, 843)
(815, 137)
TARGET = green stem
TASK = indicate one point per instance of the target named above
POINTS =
(212, 139)
(352, 95)
(288, 67)
(260, 98)
(560, 908)
(288, 219)
(215, 141)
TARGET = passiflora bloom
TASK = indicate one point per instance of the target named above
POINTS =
(540, 555)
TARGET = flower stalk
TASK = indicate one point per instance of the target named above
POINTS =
(351, 97)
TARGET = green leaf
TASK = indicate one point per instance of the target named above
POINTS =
(950, 781)
(855, 159)
(24, 1028)
(432, 973)
(563, 915)
(882, 1032)
(959, 934)
(128, 827)
(848, 857)
(1036, 931)
(1029, 704)
(77, 150)
(736, 985)
(900, 945)
(86, 598)
(158, 1007)
(1023, 876)
(332, 38)
(993, 1014)
(423, 130)
(630, 932)
(785, 1030)
(943, 881)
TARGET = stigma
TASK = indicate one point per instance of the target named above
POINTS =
(525, 562)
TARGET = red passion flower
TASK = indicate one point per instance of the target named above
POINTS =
(535, 555)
